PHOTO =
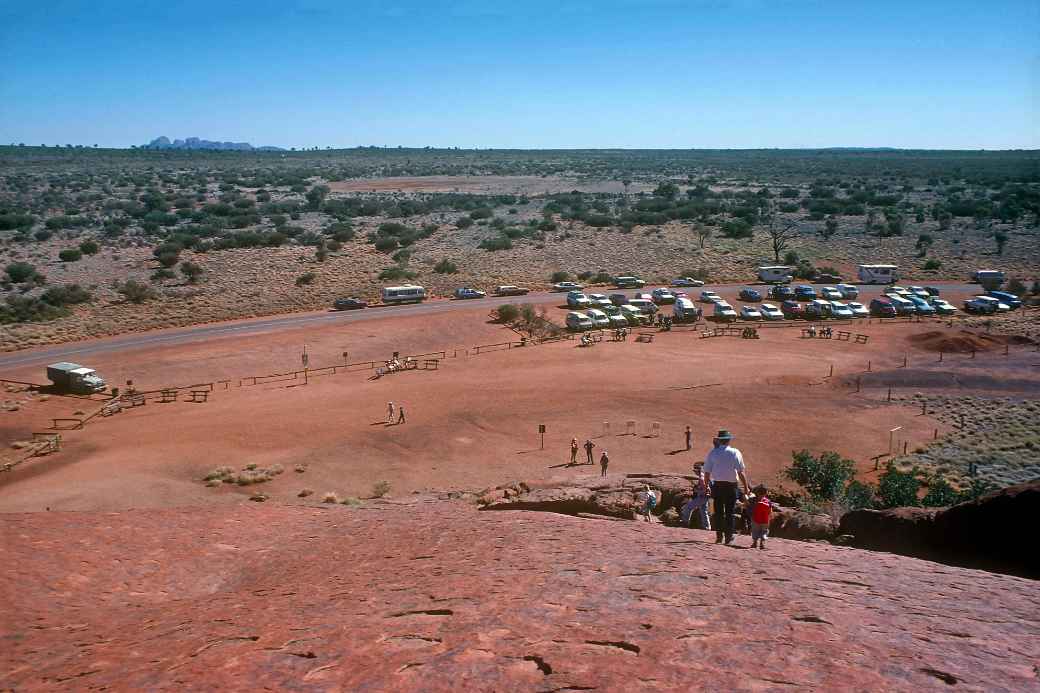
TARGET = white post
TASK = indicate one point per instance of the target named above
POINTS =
(891, 438)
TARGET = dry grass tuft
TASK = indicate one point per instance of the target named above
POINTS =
(330, 497)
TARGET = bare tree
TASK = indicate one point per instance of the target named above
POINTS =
(703, 232)
(781, 232)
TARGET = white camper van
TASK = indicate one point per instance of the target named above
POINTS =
(409, 293)
(774, 274)
(684, 310)
(878, 274)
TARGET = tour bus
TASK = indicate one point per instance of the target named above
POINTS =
(878, 274)
(775, 274)
(409, 293)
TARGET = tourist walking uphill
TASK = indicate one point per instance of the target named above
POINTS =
(723, 468)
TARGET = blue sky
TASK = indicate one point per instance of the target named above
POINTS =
(553, 74)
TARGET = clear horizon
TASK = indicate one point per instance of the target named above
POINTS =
(619, 74)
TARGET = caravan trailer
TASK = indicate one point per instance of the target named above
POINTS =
(775, 274)
(409, 293)
(878, 274)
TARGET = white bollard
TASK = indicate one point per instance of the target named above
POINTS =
(630, 428)
(606, 428)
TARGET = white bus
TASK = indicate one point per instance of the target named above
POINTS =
(775, 273)
(878, 274)
(409, 293)
(989, 279)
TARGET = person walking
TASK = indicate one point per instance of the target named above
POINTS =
(689, 438)
(389, 412)
(698, 503)
(603, 462)
(589, 445)
(723, 467)
(760, 515)
(400, 414)
(574, 451)
(649, 504)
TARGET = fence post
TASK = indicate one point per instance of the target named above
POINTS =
(857, 383)
(868, 365)
(889, 394)
(940, 357)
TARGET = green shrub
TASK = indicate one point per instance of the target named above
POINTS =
(191, 272)
(493, 244)
(16, 309)
(445, 266)
(20, 272)
(65, 295)
(940, 494)
(507, 313)
(825, 477)
(70, 255)
(395, 273)
(737, 228)
(464, 223)
(560, 276)
(897, 489)
(135, 292)
(386, 244)
(89, 247)
(932, 265)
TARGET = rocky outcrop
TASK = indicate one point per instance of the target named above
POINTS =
(435, 596)
(991, 532)
(620, 497)
(164, 142)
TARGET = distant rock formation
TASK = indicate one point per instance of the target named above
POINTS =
(196, 143)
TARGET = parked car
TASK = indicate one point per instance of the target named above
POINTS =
(895, 291)
(466, 292)
(840, 311)
(792, 309)
(804, 292)
(831, 294)
(687, 281)
(858, 310)
(904, 306)
(942, 306)
(918, 291)
(749, 294)
(567, 286)
(818, 309)
(848, 291)
(709, 297)
(684, 310)
(724, 312)
(615, 316)
(633, 315)
(882, 308)
(827, 279)
(921, 306)
(770, 312)
(661, 296)
(510, 290)
(781, 292)
(982, 305)
(598, 317)
(579, 321)
(618, 299)
(1013, 301)
(750, 313)
(352, 303)
(643, 296)
(932, 290)
(577, 299)
(629, 282)
(599, 300)
(644, 306)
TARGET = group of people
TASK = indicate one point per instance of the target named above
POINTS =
(621, 334)
(604, 459)
(825, 332)
(390, 413)
(722, 479)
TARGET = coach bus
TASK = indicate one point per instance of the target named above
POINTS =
(408, 293)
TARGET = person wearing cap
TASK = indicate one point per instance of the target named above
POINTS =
(604, 461)
(723, 468)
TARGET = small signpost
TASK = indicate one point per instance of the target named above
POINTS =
(541, 431)
(891, 438)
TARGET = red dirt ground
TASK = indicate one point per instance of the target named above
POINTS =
(471, 424)
(963, 341)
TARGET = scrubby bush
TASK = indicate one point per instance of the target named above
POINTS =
(16, 309)
(385, 244)
(89, 247)
(306, 278)
(897, 489)
(70, 255)
(380, 489)
(445, 266)
(560, 276)
(463, 223)
(825, 477)
(493, 244)
(135, 292)
(191, 271)
(932, 265)
(21, 272)
(507, 313)
(66, 295)
(396, 273)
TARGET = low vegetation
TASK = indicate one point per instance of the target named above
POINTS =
(248, 475)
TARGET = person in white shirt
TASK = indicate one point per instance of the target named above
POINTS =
(723, 467)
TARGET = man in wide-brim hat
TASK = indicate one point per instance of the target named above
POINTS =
(724, 466)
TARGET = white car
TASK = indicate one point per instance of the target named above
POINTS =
(710, 297)
(576, 299)
(750, 313)
(831, 294)
(895, 291)
(643, 296)
(724, 312)
(848, 291)
(942, 306)
(858, 310)
(662, 295)
(567, 286)
(920, 292)
(615, 316)
(633, 315)
(770, 312)
(579, 321)
(841, 311)
(687, 281)
(599, 300)
(598, 317)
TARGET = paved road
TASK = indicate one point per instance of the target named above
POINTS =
(78, 351)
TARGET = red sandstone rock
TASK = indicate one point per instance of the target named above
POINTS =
(433, 595)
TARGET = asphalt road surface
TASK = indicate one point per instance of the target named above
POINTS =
(78, 351)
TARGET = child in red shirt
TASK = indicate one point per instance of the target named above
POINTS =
(760, 514)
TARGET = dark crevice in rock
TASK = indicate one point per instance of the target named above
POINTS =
(423, 612)
(948, 679)
(542, 665)
(811, 619)
(619, 644)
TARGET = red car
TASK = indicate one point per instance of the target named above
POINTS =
(792, 310)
